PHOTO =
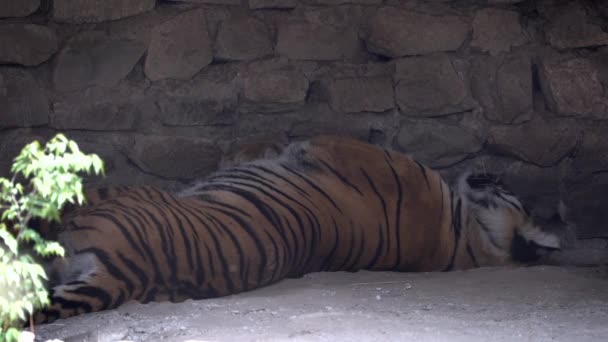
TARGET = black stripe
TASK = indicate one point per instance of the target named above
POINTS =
(114, 271)
(387, 154)
(269, 213)
(384, 209)
(140, 273)
(151, 296)
(423, 171)
(140, 229)
(216, 244)
(243, 262)
(341, 177)
(277, 262)
(349, 249)
(67, 304)
(124, 230)
(283, 178)
(312, 185)
(190, 237)
(330, 257)
(397, 215)
(256, 239)
(456, 227)
(472, 255)
(93, 292)
(102, 193)
(356, 264)
(378, 252)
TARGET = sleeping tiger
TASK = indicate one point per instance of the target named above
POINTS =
(327, 204)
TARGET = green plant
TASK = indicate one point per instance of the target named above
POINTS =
(44, 179)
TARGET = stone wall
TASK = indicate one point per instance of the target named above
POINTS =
(162, 89)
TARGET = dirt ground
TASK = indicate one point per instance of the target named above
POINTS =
(542, 303)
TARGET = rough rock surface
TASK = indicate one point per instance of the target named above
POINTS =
(430, 86)
(242, 38)
(436, 144)
(174, 156)
(23, 101)
(396, 32)
(370, 94)
(258, 4)
(576, 85)
(95, 59)
(179, 47)
(21, 8)
(301, 39)
(208, 99)
(213, 2)
(538, 142)
(274, 91)
(503, 86)
(26, 44)
(94, 11)
(496, 30)
(341, 2)
(570, 26)
(117, 108)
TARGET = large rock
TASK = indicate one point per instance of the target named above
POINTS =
(100, 109)
(341, 2)
(396, 32)
(95, 59)
(26, 44)
(175, 157)
(23, 101)
(430, 86)
(318, 119)
(94, 11)
(213, 2)
(242, 38)
(303, 39)
(21, 8)
(576, 85)
(436, 143)
(539, 142)
(503, 86)
(259, 4)
(274, 91)
(570, 26)
(364, 94)
(591, 156)
(179, 48)
(209, 99)
(496, 30)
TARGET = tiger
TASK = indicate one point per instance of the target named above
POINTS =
(330, 203)
(49, 228)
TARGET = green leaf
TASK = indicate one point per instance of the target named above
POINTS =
(50, 178)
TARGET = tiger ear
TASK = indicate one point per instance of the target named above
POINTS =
(541, 239)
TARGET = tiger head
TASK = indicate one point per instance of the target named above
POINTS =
(498, 229)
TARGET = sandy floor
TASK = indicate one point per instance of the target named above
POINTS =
(526, 304)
